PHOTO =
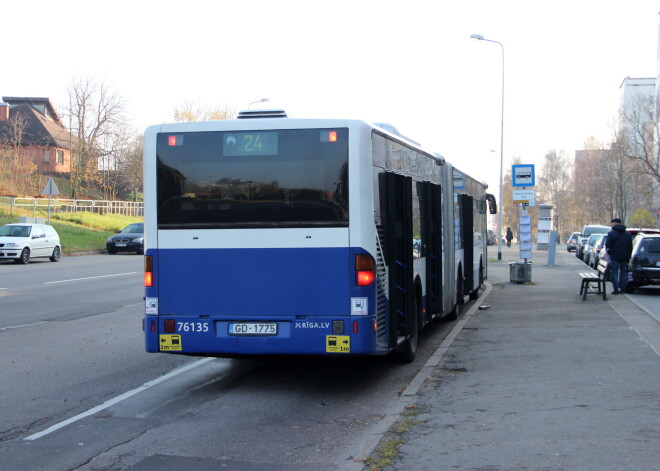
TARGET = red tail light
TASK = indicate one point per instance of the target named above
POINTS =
(365, 270)
(148, 271)
(169, 325)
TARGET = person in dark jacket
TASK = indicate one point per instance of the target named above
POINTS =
(619, 248)
(509, 236)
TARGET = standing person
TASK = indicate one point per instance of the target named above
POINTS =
(509, 236)
(619, 248)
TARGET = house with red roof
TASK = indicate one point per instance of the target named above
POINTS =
(43, 136)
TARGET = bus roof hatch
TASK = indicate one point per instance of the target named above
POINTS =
(251, 114)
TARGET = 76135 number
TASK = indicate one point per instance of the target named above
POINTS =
(192, 327)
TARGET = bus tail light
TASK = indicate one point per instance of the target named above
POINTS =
(365, 270)
(169, 326)
(148, 271)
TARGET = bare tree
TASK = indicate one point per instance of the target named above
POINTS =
(95, 114)
(555, 185)
(600, 176)
(18, 173)
(130, 166)
(191, 111)
(639, 135)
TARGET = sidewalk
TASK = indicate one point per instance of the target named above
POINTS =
(539, 381)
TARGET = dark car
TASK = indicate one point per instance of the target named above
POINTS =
(645, 261)
(129, 239)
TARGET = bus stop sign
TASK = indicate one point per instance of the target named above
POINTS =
(523, 175)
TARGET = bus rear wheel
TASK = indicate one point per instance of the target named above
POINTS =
(456, 310)
(407, 351)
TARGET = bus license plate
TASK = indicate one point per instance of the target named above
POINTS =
(253, 328)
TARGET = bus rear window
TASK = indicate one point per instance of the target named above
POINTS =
(253, 179)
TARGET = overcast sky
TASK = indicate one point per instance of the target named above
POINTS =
(409, 63)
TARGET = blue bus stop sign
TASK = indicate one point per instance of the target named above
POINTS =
(523, 175)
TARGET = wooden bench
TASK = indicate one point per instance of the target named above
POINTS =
(600, 277)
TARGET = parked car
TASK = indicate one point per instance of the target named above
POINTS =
(587, 231)
(491, 238)
(24, 241)
(643, 230)
(601, 251)
(571, 243)
(129, 239)
(592, 257)
(589, 248)
(645, 261)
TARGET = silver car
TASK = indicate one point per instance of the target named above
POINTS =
(588, 250)
(571, 243)
(23, 242)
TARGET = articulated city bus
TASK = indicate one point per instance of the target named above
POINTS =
(267, 235)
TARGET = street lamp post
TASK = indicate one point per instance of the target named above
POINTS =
(480, 37)
(258, 101)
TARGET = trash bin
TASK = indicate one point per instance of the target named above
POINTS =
(520, 272)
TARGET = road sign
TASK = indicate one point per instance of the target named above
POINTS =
(50, 188)
(524, 197)
(522, 175)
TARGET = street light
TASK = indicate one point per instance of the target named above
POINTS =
(258, 101)
(480, 37)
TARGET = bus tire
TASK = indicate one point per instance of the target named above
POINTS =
(407, 351)
(456, 310)
(475, 294)
(454, 313)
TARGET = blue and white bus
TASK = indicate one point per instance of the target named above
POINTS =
(271, 235)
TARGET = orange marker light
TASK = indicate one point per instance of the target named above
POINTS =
(148, 271)
(332, 136)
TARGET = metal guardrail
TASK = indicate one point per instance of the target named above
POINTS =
(126, 208)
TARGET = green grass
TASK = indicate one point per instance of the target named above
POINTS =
(388, 448)
(79, 232)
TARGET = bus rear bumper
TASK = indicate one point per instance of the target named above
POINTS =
(354, 335)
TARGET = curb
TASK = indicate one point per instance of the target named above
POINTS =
(407, 396)
(81, 254)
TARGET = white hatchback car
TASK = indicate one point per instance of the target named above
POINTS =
(23, 241)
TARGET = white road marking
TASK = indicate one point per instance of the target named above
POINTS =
(90, 278)
(2, 329)
(115, 400)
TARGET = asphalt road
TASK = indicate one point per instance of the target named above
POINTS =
(78, 391)
(648, 297)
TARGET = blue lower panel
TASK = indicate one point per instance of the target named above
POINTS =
(254, 282)
(311, 336)
(302, 291)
